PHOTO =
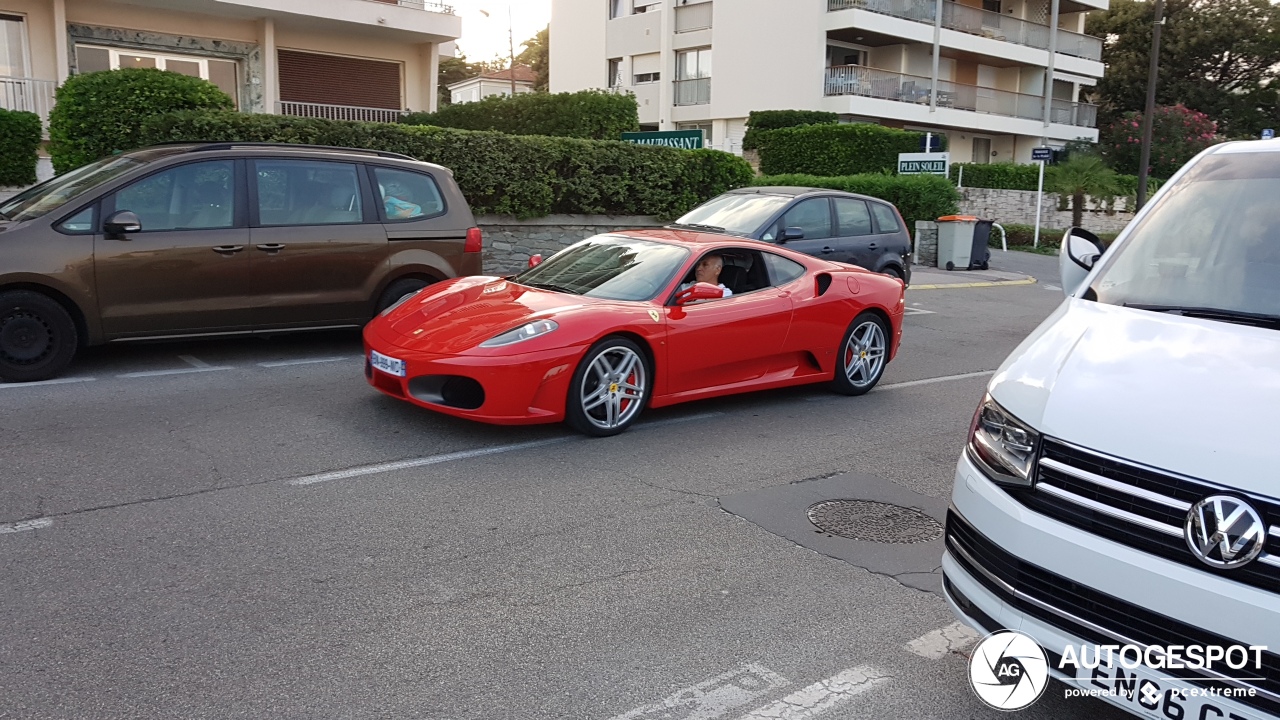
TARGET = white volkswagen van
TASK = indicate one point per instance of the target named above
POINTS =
(1121, 482)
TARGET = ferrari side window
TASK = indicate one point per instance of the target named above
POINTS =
(782, 270)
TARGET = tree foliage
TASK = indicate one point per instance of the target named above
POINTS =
(537, 56)
(1219, 57)
(1177, 135)
(1081, 176)
(455, 70)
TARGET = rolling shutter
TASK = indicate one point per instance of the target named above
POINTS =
(334, 80)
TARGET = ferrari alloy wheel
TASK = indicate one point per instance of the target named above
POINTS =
(863, 355)
(609, 388)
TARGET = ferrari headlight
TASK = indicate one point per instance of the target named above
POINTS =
(1003, 446)
(522, 333)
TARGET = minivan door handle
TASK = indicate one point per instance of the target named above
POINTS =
(828, 249)
(270, 247)
(872, 246)
(228, 249)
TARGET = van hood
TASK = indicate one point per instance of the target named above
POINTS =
(1187, 395)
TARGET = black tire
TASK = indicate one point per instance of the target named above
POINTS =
(38, 338)
(985, 265)
(951, 265)
(893, 272)
(397, 290)
(848, 382)
(585, 381)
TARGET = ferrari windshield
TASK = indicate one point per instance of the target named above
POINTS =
(610, 267)
(741, 214)
(1211, 246)
(52, 194)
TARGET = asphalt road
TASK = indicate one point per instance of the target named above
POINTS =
(213, 530)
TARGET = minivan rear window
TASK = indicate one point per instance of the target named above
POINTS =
(52, 194)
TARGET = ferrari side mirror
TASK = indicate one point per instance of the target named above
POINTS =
(535, 260)
(699, 291)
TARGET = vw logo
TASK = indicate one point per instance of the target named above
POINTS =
(1224, 531)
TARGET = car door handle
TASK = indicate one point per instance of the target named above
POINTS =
(872, 246)
(270, 247)
(828, 249)
(228, 249)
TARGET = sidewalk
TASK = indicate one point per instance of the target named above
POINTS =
(932, 278)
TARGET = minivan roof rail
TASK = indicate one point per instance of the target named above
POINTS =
(207, 146)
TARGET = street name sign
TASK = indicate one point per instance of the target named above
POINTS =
(924, 163)
(1041, 154)
(681, 139)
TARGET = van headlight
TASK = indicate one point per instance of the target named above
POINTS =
(1003, 446)
(522, 333)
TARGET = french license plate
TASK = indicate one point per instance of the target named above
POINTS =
(1149, 693)
(386, 364)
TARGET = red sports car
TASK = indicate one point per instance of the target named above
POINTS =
(620, 322)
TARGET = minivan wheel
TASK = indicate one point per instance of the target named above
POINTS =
(38, 338)
(863, 355)
(397, 290)
(892, 272)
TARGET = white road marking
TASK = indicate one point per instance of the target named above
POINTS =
(57, 381)
(936, 644)
(195, 362)
(917, 311)
(930, 381)
(307, 361)
(393, 466)
(1052, 287)
(186, 371)
(713, 697)
(25, 525)
(824, 695)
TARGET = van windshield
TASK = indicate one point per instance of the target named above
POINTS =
(52, 194)
(1211, 246)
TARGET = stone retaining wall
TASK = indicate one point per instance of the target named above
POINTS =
(926, 250)
(1010, 207)
(509, 242)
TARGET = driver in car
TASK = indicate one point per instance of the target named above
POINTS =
(708, 271)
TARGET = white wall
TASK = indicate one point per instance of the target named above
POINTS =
(578, 57)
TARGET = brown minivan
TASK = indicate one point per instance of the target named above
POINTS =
(220, 239)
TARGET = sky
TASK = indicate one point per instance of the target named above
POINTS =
(484, 37)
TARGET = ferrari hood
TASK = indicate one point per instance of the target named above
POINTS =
(1188, 395)
(457, 315)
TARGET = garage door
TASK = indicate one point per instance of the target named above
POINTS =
(335, 80)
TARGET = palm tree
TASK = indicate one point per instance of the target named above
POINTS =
(1079, 176)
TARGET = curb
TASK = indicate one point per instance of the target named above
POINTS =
(998, 283)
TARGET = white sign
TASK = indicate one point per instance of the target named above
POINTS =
(924, 163)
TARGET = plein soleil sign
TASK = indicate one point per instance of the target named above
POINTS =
(924, 163)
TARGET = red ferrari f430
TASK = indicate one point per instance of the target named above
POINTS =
(621, 322)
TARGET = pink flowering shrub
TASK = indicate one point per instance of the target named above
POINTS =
(1177, 134)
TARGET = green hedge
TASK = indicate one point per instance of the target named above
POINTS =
(1024, 236)
(917, 197)
(999, 176)
(101, 113)
(591, 114)
(835, 150)
(760, 122)
(19, 139)
(499, 173)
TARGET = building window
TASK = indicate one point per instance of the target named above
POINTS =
(643, 6)
(840, 56)
(643, 78)
(615, 9)
(693, 64)
(217, 71)
(615, 73)
(13, 46)
(991, 5)
(704, 127)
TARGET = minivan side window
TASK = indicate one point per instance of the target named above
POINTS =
(407, 195)
(813, 216)
(195, 196)
(852, 217)
(79, 224)
(886, 218)
(307, 192)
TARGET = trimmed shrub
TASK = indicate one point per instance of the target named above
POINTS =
(835, 150)
(102, 113)
(998, 176)
(917, 197)
(760, 122)
(19, 140)
(591, 115)
(1024, 235)
(500, 173)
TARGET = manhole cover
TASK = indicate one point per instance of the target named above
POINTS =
(873, 521)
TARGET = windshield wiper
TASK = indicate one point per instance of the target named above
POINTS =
(699, 226)
(1225, 315)
(552, 287)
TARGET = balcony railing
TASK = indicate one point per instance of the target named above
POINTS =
(338, 112)
(887, 85)
(693, 92)
(427, 5)
(28, 95)
(976, 21)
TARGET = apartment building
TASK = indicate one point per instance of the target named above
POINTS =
(340, 59)
(973, 70)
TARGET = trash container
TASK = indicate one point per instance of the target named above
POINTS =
(962, 242)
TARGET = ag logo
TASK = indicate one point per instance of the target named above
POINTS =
(1008, 670)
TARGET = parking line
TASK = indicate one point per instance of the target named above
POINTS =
(362, 470)
(195, 362)
(308, 361)
(185, 371)
(930, 381)
(57, 381)
(25, 525)
(949, 286)
(713, 697)
(937, 644)
(824, 695)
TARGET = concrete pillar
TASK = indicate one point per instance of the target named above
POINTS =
(667, 86)
(61, 47)
(720, 135)
(429, 61)
(270, 79)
